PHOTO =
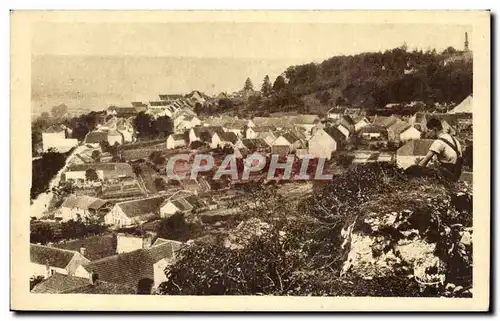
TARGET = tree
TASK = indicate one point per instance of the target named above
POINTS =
(104, 144)
(248, 85)
(198, 107)
(164, 126)
(177, 228)
(44, 169)
(91, 175)
(279, 84)
(96, 156)
(59, 111)
(144, 125)
(160, 184)
(41, 233)
(266, 87)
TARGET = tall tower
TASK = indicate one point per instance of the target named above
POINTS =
(466, 43)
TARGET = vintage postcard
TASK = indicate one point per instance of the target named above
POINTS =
(250, 160)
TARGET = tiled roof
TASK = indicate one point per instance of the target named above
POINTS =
(236, 124)
(104, 288)
(228, 137)
(83, 202)
(398, 127)
(128, 268)
(60, 283)
(418, 147)
(96, 137)
(260, 129)
(209, 129)
(52, 256)
(384, 121)
(96, 247)
(141, 207)
(177, 137)
(170, 96)
(254, 143)
(159, 103)
(290, 137)
(335, 133)
(372, 129)
(182, 205)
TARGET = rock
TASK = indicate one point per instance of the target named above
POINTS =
(458, 289)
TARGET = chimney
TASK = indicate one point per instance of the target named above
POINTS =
(83, 251)
(147, 241)
(92, 278)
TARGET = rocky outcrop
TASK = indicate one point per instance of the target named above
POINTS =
(421, 233)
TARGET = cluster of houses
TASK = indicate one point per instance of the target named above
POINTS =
(124, 201)
(127, 265)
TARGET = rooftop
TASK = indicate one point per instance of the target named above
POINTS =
(128, 268)
(141, 207)
(52, 256)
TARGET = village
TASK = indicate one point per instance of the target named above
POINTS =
(114, 179)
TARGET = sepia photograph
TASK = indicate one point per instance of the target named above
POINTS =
(250, 155)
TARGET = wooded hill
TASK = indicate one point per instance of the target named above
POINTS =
(367, 80)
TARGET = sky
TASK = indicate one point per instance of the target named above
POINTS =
(87, 65)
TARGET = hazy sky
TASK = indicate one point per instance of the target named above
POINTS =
(238, 40)
(114, 63)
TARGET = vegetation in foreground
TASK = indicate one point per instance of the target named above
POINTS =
(313, 248)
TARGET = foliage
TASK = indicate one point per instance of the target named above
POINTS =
(59, 111)
(266, 86)
(177, 228)
(91, 175)
(43, 233)
(164, 126)
(44, 169)
(248, 85)
(279, 84)
(96, 155)
(300, 252)
(160, 184)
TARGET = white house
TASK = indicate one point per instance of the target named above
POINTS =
(410, 133)
(175, 141)
(402, 131)
(128, 243)
(134, 212)
(82, 206)
(361, 123)
(206, 134)
(46, 261)
(324, 142)
(237, 126)
(179, 205)
(184, 122)
(414, 150)
(288, 139)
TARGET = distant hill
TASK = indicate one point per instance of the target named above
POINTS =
(370, 80)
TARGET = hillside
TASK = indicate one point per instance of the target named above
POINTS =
(367, 80)
(373, 231)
